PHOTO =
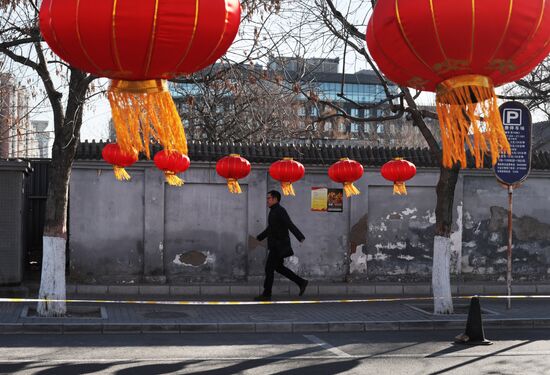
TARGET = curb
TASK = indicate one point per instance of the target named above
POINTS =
(266, 327)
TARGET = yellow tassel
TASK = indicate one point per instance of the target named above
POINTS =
(399, 188)
(144, 111)
(287, 188)
(461, 103)
(233, 186)
(350, 189)
(121, 174)
(172, 179)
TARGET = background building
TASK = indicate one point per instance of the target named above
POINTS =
(42, 136)
(17, 136)
(293, 100)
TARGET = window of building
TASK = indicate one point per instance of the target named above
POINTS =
(355, 112)
(367, 128)
(342, 127)
(328, 126)
(314, 111)
(380, 128)
(354, 127)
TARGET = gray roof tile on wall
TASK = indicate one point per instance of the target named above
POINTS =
(306, 154)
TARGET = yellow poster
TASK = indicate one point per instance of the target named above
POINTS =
(319, 201)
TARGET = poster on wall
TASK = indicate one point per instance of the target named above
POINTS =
(319, 199)
(327, 200)
(335, 198)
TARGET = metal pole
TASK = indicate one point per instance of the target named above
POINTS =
(509, 273)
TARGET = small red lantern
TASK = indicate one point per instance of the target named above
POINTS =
(287, 171)
(172, 163)
(398, 170)
(345, 172)
(233, 168)
(461, 49)
(112, 154)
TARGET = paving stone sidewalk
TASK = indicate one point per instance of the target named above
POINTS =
(326, 317)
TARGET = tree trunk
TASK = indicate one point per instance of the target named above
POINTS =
(441, 278)
(67, 135)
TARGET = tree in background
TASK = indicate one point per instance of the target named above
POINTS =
(65, 89)
(333, 23)
(534, 91)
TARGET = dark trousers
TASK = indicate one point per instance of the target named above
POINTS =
(276, 263)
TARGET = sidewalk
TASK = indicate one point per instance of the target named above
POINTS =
(326, 317)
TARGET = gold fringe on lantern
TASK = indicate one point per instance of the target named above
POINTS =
(468, 115)
(233, 186)
(399, 188)
(287, 188)
(350, 189)
(121, 174)
(172, 179)
(143, 111)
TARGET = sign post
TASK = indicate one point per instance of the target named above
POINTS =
(511, 170)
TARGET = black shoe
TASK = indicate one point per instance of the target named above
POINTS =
(303, 287)
(262, 297)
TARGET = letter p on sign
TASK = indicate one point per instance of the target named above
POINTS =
(512, 116)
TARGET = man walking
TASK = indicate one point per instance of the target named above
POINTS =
(278, 243)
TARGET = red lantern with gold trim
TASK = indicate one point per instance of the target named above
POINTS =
(139, 45)
(172, 163)
(233, 168)
(346, 171)
(112, 154)
(287, 171)
(461, 49)
(398, 170)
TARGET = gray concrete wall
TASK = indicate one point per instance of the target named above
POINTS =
(486, 229)
(147, 231)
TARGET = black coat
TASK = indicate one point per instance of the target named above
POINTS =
(278, 225)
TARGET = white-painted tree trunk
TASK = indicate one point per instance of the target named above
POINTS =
(441, 276)
(52, 284)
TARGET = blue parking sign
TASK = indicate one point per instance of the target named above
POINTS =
(514, 168)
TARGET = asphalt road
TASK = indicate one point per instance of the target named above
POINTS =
(513, 352)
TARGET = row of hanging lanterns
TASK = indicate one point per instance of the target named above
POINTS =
(287, 170)
(459, 49)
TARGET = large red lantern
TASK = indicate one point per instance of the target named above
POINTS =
(172, 163)
(461, 49)
(398, 170)
(112, 154)
(287, 171)
(140, 44)
(346, 171)
(233, 168)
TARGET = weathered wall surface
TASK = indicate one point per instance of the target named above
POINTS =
(147, 231)
(486, 230)
(106, 227)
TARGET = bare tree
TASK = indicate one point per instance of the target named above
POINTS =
(65, 89)
(238, 102)
(20, 41)
(534, 91)
(321, 25)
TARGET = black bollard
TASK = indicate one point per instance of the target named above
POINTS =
(474, 334)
